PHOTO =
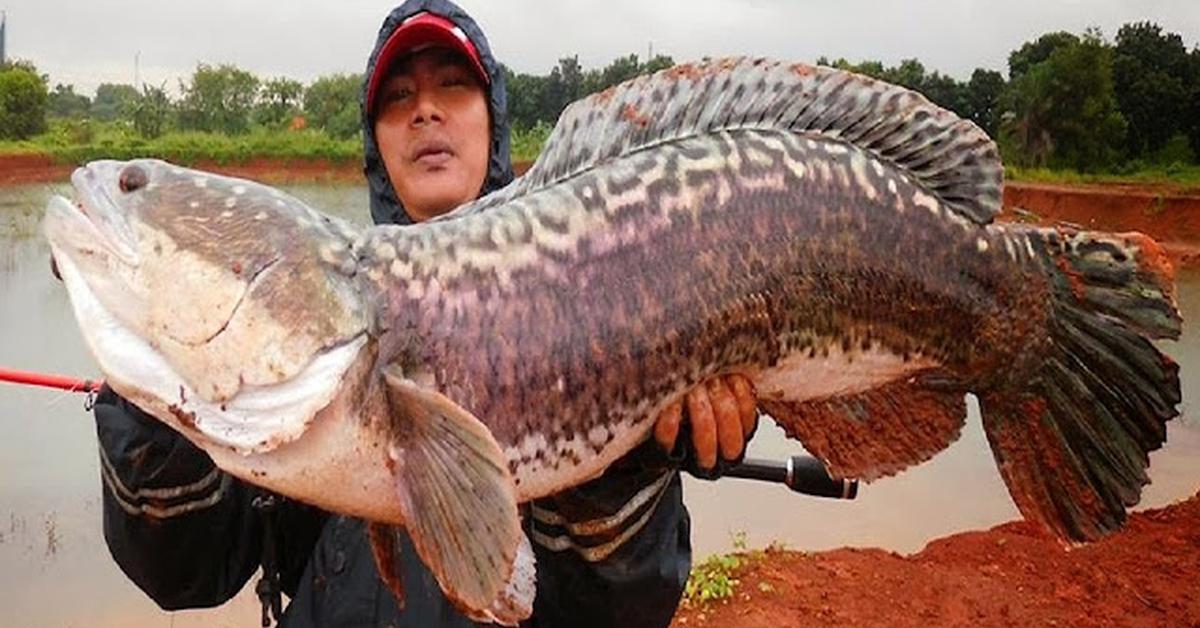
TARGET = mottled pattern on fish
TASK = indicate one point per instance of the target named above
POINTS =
(565, 317)
(826, 234)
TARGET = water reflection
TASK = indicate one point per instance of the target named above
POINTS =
(57, 571)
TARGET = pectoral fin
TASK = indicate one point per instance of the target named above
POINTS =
(515, 603)
(456, 494)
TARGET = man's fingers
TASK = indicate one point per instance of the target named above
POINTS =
(747, 401)
(666, 427)
(729, 423)
(704, 427)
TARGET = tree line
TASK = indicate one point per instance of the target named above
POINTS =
(1065, 101)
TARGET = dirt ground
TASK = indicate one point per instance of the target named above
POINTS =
(1011, 575)
(1170, 215)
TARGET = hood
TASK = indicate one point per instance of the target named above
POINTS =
(385, 206)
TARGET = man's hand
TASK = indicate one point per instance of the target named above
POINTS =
(722, 411)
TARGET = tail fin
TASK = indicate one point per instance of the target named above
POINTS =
(1073, 445)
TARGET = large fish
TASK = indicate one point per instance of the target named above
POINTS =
(825, 234)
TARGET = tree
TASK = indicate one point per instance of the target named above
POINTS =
(63, 102)
(524, 98)
(910, 73)
(111, 99)
(982, 99)
(23, 97)
(941, 89)
(331, 104)
(1192, 129)
(657, 64)
(279, 100)
(1064, 111)
(1154, 83)
(218, 99)
(621, 69)
(1037, 51)
(150, 111)
(563, 86)
(945, 92)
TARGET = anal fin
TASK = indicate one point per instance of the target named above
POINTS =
(456, 494)
(877, 432)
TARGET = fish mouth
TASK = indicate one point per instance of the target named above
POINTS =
(94, 220)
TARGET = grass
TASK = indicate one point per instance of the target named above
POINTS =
(716, 578)
(1176, 174)
(79, 141)
(527, 143)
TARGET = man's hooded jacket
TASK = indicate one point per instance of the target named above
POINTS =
(191, 536)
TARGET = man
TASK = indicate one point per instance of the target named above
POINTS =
(615, 551)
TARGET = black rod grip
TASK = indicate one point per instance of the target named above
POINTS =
(803, 474)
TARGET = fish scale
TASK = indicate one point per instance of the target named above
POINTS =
(736, 247)
(822, 233)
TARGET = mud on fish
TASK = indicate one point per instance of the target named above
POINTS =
(829, 236)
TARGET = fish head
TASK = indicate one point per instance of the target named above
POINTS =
(193, 288)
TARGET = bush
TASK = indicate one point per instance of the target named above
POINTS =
(331, 103)
(526, 143)
(23, 97)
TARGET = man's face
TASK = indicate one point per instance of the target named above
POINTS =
(432, 126)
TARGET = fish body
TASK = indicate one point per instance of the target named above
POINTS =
(826, 235)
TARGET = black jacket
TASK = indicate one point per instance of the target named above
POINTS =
(187, 534)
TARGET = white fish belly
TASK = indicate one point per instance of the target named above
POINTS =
(799, 377)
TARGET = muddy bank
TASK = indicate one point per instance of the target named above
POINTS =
(1170, 215)
(1145, 575)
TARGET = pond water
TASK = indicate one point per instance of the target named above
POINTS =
(56, 570)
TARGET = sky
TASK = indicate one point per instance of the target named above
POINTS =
(86, 43)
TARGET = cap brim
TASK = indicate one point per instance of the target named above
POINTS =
(419, 34)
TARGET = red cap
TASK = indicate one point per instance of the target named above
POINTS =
(421, 31)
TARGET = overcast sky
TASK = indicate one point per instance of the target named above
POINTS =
(90, 42)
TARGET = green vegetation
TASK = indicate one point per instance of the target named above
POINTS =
(22, 101)
(1186, 176)
(716, 578)
(77, 141)
(527, 141)
(1072, 108)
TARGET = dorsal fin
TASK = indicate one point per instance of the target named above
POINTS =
(950, 156)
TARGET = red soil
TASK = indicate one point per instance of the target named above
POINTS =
(1170, 215)
(1011, 575)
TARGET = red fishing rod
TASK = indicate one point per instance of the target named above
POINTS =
(69, 384)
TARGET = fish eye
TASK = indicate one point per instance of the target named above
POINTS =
(132, 178)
